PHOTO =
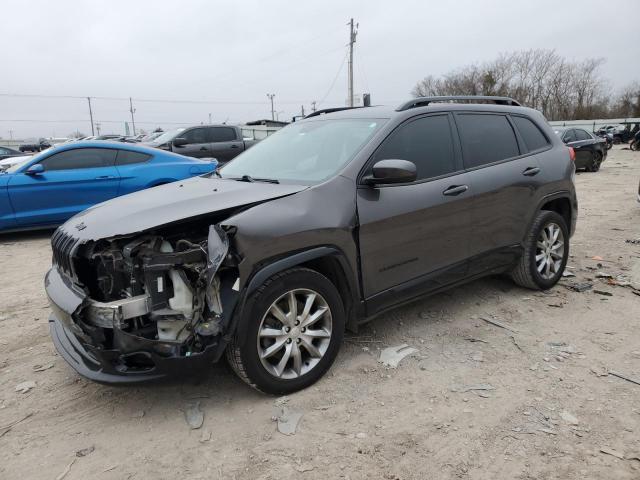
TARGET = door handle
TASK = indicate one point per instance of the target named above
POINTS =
(455, 190)
(203, 149)
(235, 146)
(104, 177)
(531, 171)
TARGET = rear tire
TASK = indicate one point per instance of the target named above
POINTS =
(595, 162)
(546, 251)
(295, 325)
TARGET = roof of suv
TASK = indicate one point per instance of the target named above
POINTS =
(427, 104)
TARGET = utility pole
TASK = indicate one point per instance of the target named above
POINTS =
(132, 110)
(302, 109)
(11, 135)
(273, 112)
(209, 119)
(97, 128)
(91, 116)
(313, 106)
(353, 32)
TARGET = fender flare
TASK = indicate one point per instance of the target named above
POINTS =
(238, 325)
(548, 198)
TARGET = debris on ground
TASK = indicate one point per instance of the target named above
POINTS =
(579, 287)
(392, 356)
(634, 241)
(515, 342)
(603, 275)
(474, 340)
(602, 292)
(612, 452)
(498, 324)
(567, 273)
(85, 451)
(24, 387)
(42, 368)
(288, 421)
(281, 401)
(66, 470)
(305, 467)
(468, 388)
(193, 415)
(623, 377)
(569, 418)
(7, 428)
(137, 414)
(597, 258)
(205, 437)
(600, 371)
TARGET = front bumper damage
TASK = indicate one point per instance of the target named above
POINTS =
(91, 335)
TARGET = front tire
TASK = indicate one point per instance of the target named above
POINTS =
(546, 252)
(295, 325)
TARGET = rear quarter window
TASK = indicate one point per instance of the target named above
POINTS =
(533, 138)
(486, 139)
(127, 157)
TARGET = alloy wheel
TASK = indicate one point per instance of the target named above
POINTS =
(549, 251)
(294, 333)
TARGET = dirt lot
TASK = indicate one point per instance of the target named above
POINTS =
(550, 411)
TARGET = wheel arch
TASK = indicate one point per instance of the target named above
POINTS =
(559, 202)
(327, 260)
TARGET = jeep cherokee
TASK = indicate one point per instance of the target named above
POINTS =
(318, 228)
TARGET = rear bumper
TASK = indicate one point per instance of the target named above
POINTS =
(137, 360)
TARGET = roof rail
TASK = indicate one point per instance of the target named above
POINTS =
(329, 110)
(424, 101)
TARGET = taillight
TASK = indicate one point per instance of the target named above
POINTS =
(572, 154)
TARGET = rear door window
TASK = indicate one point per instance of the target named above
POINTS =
(486, 139)
(222, 134)
(427, 142)
(582, 134)
(80, 158)
(196, 135)
(569, 136)
(533, 138)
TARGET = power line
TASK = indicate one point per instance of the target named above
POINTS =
(150, 100)
(334, 80)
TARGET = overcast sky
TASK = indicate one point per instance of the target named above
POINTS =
(234, 53)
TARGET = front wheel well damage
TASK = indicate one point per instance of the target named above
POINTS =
(328, 261)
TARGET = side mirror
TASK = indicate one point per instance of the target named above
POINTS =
(179, 142)
(392, 171)
(35, 169)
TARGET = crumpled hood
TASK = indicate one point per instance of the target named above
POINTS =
(169, 203)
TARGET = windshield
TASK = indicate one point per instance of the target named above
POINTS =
(166, 136)
(305, 153)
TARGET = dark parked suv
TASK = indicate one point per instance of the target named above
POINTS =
(321, 226)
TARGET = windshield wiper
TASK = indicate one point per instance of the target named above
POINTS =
(250, 179)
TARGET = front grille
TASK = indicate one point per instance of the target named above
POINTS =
(62, 245)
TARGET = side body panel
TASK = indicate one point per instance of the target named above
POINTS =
(53, 197)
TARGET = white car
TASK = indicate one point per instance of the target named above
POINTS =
(11, 161)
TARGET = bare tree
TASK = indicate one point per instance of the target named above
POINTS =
(538, 78)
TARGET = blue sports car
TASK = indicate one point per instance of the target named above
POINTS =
(54, 185)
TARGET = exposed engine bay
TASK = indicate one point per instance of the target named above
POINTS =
(156, 291)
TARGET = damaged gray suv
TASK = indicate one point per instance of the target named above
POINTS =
(318, 228)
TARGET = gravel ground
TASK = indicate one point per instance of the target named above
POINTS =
(549, 411)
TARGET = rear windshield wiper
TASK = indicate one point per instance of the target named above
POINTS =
(250, 179)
